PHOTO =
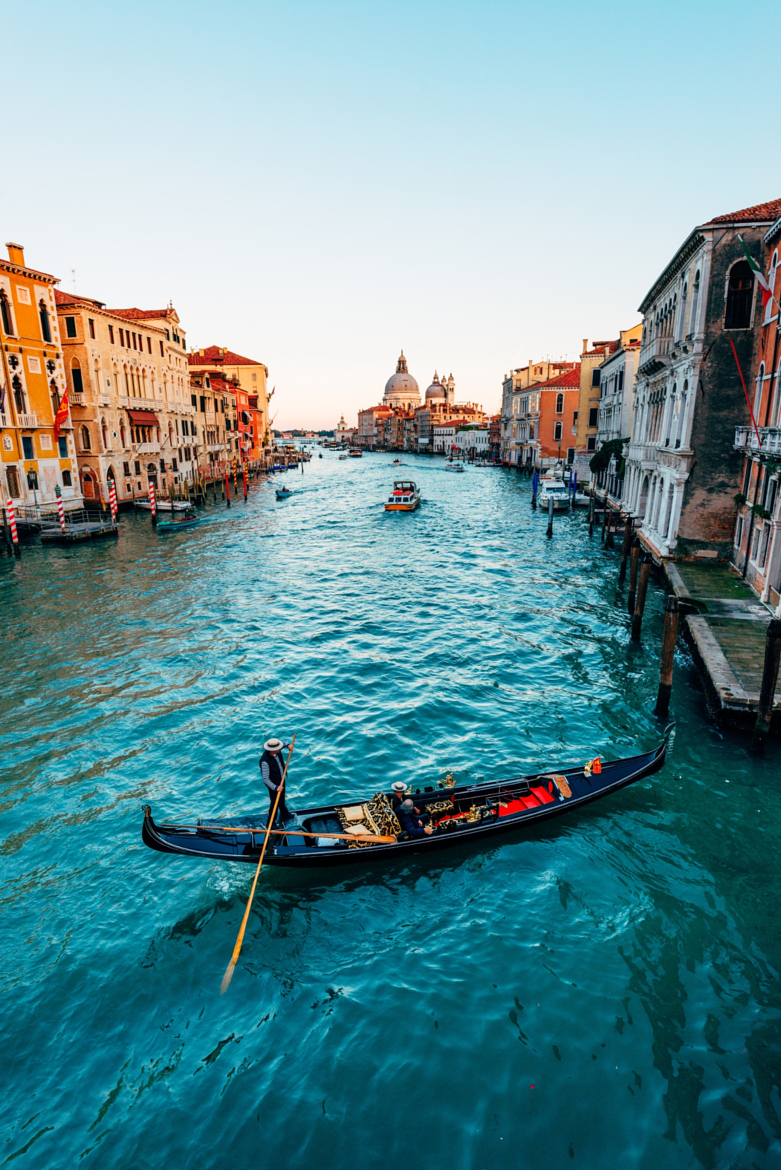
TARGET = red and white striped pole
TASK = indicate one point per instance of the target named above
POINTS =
(112, 499)
(244, 476)
(12, 526)
(153, 502)
(60, 508)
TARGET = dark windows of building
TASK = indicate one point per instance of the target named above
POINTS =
(5, 313)
(70, 326)
(111, 334)
(203, 405)
(55, 396)
(593, 416)
(747, 477)
(126, 469)
(91, 324)
(43, 313)
(27, 447)
(570, 454)
(104, 433)
(62, 444)
(18, 392)
(557, 431)
(620, 382)
(76, 378)
(559, 406)
(739, 295)
(162, 351)
(85, 442)
(138, 469)
(13, 482)
(591, 443)
(595, 377)
(149, 344)
(67, 479)
(122, 337)
(174, 465)
(167, 335)
(162, 465)
(194, 400)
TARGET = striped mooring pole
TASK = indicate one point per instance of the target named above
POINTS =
(60, 508)
(153, 502)
(12, 526)
(112, 499)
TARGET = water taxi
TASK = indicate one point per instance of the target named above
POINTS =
(404, 498)
(456, 465)
(355, 453)
(553, 488)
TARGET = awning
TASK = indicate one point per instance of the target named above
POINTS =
(144, 418)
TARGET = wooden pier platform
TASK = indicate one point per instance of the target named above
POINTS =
(75, 533)
(727, 637)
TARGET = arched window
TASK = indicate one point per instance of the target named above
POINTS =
(104, 433)
(670, 516)
(740, 291)
(110, 476)
(55, 396)
(88, 484)
(758, 393)
(771, 280)
(85, 440)
(682, 414)
(682, 315)
(122, 435)
(5, 313)
(18, 392)
(76, 378)
(695, 302)
(672, 416)
(43, 313)
(127, 382)
(559, 404)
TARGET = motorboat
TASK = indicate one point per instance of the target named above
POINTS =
(355, 453)
(454, 465)
(552, 488)
(283, 493)
(188, 519)
(405, 496)
(580, 499)
(163, 505)
(397, 463)
(342, 456)
(367, 828)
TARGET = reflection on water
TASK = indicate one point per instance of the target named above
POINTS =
(600, 991)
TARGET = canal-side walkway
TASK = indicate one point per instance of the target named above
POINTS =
(728, 636)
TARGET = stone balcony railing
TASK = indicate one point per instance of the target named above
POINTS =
(654, 356)
(139, 403)
(746, 440)
(148, 448)
(27, 421)
(643, 453)
(75, 399)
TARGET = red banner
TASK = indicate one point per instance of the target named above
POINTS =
(61, 417)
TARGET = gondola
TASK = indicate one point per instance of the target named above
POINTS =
(458, 814)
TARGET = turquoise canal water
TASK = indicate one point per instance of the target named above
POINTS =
(601, 992)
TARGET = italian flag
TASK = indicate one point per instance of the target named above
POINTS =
(764, 287)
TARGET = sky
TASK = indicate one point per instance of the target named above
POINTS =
(320, 185)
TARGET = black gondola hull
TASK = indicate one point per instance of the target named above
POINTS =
(243, 845)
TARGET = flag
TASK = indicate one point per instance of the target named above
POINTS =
(61, 417)
(764, 288)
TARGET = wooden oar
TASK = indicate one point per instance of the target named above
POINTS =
(226, 979)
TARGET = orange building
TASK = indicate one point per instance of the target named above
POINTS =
(250, 378)
(556, 424)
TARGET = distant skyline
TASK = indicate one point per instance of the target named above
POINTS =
(320, 185)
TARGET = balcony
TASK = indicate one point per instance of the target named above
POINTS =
(148, 449)
(747, 442)
(104, 399)
(75, 399)
(27, 422)
(646, 454)
(210, 418)
(138, 403)
(654, 356)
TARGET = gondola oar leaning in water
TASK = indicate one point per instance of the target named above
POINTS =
(226, 979)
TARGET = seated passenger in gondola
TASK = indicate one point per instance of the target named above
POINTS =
(412, 822)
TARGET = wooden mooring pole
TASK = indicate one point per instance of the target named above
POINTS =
(625, 547)
(669, 638)
(610, 541)
(634, 559)
(591, 515)
(768, 689)
(642, 589)
(549, 532)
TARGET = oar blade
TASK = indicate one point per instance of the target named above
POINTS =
(226, 979)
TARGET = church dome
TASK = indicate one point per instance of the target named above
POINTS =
(436, 389)
(401, 389)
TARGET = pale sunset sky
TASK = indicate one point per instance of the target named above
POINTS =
(318, 185)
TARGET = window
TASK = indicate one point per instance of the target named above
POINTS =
(122, 337)
(167, 335)
(111, 334)
(203, 405)
(695, 303)
(91, 324)
(137, 466)
(5, 313)
(126, 469)
(43, 313)
(70, 326)
(593, 416)
(162, 351)
(771, 280)
(595, 377)
(174, 465)
(254, 377)
(27, 447)
(591, 443)
(559, 404)
(747, 478)
(740, 291)
(104, 433)
(194, 401)
(149, 344)
(76, 378)
(62, 444)
(13, 482)
(570, 454)
(67, 479)
(557, 431)
(85, 443)
(758, 392)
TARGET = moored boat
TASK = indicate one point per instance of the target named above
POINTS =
(552, 488)
(405, 496)
(163, 505)
(326, 835)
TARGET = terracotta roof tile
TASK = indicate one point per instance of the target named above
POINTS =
(217, 355)
(761, 211)
(63, 298)
(570, 379)
(140, 314)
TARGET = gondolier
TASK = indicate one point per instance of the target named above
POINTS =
(272, 768)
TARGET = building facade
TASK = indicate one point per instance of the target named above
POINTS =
(519, 410)
(37, 456)
(701, 328)
(251, 378)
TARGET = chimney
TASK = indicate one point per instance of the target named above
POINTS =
(16, 254)
(585, 345)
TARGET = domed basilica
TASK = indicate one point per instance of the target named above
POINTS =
(403, 392)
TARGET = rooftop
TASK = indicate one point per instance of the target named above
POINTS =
(760, 212)
(215, 355)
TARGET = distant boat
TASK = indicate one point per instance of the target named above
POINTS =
(454, 466)
(283, 493)
(355, 453)
(397, 463)
(404, 498)
(163, 505)
(188, 520)
(342, 456)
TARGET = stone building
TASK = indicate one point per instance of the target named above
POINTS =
(701, 327)
(588, 403)
(514, 435)
(251, 378)
(130, 396)
(401, 390)
(37, 456)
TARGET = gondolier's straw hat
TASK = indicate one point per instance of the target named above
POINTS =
(399, 786)
(273, 745)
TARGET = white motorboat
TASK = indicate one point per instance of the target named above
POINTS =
(163, 505)
(404, 498)
(456, 465)
(580, 499)
(555, 489)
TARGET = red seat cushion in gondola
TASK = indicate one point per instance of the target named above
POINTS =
(543, 796)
